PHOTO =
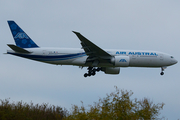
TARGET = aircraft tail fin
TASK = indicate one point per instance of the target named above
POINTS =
(21, 39)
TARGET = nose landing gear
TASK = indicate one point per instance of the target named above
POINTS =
(92, 71)
(162, 69)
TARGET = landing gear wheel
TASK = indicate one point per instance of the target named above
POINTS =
(89, 74)
(92, 71)
(85, 75)
(162, 73)
(98, 69)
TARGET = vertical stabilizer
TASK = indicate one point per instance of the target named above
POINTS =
(20, 37)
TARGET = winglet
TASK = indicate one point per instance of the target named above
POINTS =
(18, 49)
(74, 32)
(81, 37)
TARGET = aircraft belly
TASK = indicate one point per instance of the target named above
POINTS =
(80, 61)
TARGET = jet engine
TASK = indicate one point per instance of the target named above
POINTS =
(111, 70)
(120, 61)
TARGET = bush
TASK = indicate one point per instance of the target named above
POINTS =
(117, 106)
(24, 111)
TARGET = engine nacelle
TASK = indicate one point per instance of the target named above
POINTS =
(111, 70)
(120, 61)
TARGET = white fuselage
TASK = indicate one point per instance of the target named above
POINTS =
(71, 56)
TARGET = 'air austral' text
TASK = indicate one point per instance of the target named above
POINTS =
(137, 53)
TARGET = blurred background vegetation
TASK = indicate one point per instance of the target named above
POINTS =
(115, 106)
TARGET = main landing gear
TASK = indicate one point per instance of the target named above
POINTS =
(162, 69)
(92, 71)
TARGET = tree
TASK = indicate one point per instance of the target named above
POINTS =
(117, 106)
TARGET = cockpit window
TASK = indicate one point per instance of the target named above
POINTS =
(172, 57)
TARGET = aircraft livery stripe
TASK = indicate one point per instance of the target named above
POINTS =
(50, 58)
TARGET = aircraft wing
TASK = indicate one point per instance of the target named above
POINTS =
(93, 51)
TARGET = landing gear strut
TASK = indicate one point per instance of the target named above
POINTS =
(162, 69)
(92, 71)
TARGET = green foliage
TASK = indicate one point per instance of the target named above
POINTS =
(24, 111)
(117, 106)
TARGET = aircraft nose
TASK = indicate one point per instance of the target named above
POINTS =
(174, 61)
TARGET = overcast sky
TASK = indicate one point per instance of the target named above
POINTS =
(128, 24)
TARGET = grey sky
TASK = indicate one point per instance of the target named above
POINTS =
(141, 25)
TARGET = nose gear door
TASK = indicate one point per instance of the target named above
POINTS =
(161, 56)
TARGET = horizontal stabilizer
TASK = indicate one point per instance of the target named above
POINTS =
(18, 49)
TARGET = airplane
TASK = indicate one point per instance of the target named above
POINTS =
(90, 55)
